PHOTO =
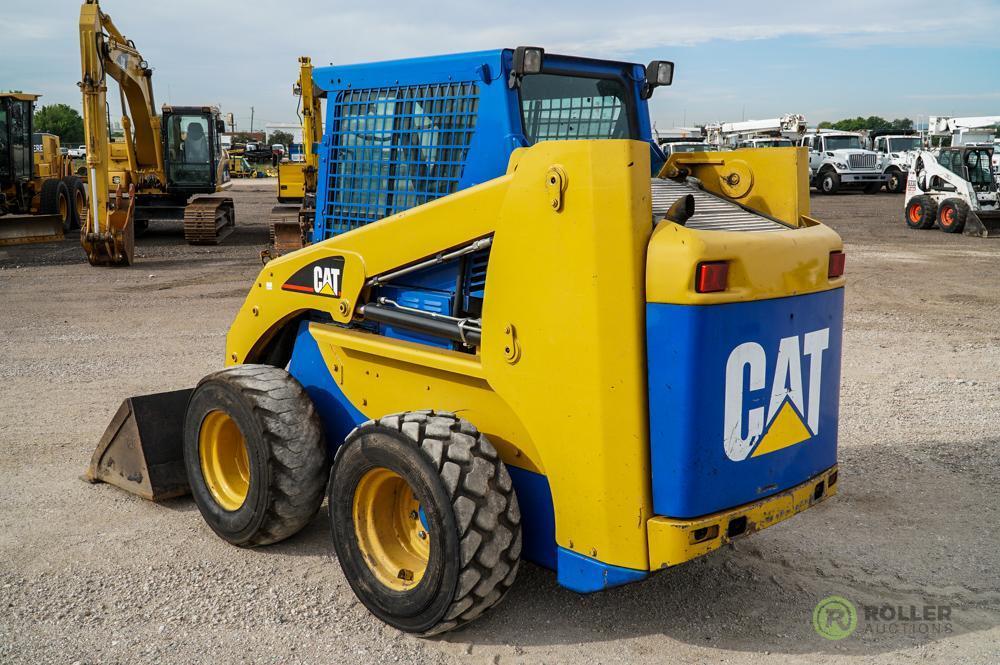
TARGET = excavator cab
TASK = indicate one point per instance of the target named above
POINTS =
(194, 158)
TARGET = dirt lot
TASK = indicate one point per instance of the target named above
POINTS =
(90, 574)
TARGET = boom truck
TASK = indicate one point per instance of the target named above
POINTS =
(521, 333)
(768, 133)
(292, 220)
(40, 199)
(164, 160)
(964, 131)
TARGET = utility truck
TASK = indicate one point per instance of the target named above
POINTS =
(976, 130)
(897, 150)
(839, 161)
(768, 133)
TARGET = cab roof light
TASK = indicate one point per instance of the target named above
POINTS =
(837, 261)
(711, 276)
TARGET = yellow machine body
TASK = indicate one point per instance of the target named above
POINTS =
(291, 182)
(560, 380)
(24, 217)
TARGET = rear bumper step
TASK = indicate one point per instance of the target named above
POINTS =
(673, 541)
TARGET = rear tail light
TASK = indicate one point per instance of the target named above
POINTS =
(837, 260)
(711, 277)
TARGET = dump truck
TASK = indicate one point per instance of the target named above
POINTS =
(40, 199)
(522, 334)
(955, 190)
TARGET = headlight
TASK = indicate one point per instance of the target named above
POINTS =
(895, 155)
(840, 165)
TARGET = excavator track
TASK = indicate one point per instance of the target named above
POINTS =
(208, 220)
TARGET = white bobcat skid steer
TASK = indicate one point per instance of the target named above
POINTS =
(956, 190)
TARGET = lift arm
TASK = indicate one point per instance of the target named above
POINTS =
(108, 237)
(312, 121)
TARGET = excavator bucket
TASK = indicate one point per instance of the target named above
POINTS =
(984, 224)
(116, 245)
(24, 229)
(141, 450)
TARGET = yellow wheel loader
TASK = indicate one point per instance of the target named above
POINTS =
(165, 164)
(39, 198)
(526, 335)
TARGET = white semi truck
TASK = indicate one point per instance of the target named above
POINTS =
(839, 161)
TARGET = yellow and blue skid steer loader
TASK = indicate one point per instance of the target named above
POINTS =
(589, 357)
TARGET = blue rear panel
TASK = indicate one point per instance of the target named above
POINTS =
(743, 399)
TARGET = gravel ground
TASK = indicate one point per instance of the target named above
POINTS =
(90, 574)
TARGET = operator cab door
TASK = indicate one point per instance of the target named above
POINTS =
(190, 152)
(15, 140)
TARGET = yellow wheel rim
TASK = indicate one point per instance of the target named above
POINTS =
(391, 535)
(63, 208)
(225, 462)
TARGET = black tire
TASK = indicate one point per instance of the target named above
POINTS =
(78, 200)
(896, 183)
(472, 517)
(54, 200)
(920, 212)
(828, 182)
(285, 450)
(951, 215)
(873, 188)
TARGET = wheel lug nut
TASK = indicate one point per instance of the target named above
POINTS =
(423, 535)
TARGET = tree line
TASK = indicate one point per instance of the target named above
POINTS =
(871, 122)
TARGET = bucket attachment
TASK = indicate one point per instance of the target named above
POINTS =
(24, 229)
(984, 224)
(115, 245)
(141, 451)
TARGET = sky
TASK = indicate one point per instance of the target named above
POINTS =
(734, 59)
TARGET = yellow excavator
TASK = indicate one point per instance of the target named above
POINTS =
(292, 220)
(164, 165)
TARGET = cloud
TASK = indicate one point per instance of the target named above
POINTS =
(244, 54)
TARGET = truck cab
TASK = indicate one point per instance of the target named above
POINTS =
(765, 142)
(839, 161)
(897, 149)
(675, 147)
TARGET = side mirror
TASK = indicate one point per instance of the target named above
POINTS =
(527, 60)
(220, 125)
(658, 72)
